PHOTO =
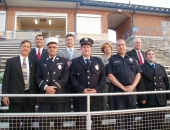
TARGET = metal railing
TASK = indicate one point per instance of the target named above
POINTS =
(32, 33)
(134, 118)
(148, 32)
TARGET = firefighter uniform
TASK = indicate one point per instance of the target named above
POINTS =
(92, 76)
(124, 70)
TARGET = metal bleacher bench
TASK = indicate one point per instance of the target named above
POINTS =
(2, 38)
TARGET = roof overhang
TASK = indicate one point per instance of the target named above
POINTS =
(88, 4)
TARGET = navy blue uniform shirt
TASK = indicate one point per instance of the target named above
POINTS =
(124, 69)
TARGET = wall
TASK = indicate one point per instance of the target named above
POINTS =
(123, 27)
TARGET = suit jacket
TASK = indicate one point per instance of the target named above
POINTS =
(52, 74)
(134, 54)
(155, 80)
(33, 54)
(13, 81)
(92, 77)
(64, 53)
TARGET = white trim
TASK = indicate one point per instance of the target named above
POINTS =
(3, 12)
(41, 15)
(41, 83)
(89, 15)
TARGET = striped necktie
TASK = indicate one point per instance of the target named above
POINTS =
(25, 74)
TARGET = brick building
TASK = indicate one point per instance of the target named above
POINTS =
(81, 17)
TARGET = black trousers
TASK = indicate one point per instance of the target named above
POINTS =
(26, 107)
(44, 122)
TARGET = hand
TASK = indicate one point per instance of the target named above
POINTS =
(92, 91)
(143, 101)
(86, 90)
(124, 89)
(6, 101)
(50, 89)
(130, 88)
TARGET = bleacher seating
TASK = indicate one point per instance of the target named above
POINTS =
(9, 49)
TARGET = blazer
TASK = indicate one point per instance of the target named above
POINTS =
(155, 80)
(134, 54)
(13, 81)
(92, 77)
(52, 74)
(33, 54)
(64, 53)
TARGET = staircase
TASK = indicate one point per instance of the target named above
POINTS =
(10, 48)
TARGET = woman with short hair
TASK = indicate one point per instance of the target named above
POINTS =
(106, 48)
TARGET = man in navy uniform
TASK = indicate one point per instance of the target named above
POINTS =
(87, 75)
(124, 73)
(52, 75)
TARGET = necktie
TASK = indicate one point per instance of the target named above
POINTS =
(24, 71)
(87, 63)
(140, 58)
(70, 53)
(153, 66)
(38, 55)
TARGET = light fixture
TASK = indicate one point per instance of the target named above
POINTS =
(49, 22)
(119, 10)
(36, 21)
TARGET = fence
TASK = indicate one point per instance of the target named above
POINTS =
(32, 33)
(133, 119)
(148, 32)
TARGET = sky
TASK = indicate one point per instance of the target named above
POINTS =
(156, 3)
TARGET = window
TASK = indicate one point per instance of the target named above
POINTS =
(2, 21)
(88, 24)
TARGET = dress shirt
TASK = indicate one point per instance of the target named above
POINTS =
(140, 54)
(38, 49)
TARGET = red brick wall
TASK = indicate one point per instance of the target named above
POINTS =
(149, 21)
(123, 27)
(70, 12)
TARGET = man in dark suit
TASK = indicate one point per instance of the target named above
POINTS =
(38, 52)
(139, 56)
(70, 53)
(52, 75)
(19, 79)
(136, 52)
(87, 75)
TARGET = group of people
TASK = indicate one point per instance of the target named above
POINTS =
(44, 71)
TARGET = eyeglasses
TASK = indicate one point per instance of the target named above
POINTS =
(50, 47)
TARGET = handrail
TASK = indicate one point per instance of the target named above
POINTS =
(141, 31)
(32, 31)
(83, 95)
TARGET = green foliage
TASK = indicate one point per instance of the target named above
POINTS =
(1, 77)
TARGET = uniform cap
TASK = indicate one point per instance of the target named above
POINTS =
(51, 39)
(87, 41)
